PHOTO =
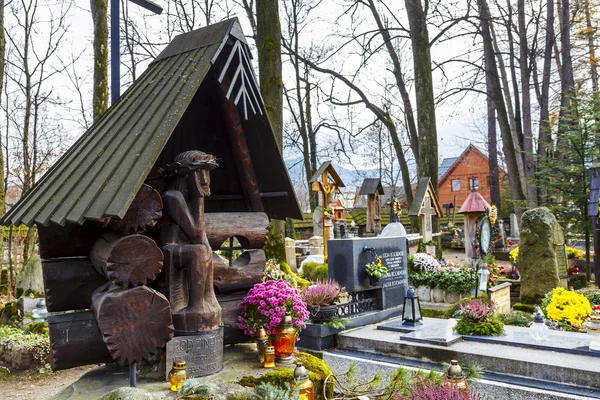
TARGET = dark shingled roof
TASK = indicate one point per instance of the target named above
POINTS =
(371, 186)
(99, 176)
(415, 207)
(326, 166)
(445, 166)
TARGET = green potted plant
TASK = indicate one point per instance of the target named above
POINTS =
(375, 270)
(320, 299)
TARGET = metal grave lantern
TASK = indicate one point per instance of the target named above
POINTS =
(538, 329)
(456, 377)
(411, 313)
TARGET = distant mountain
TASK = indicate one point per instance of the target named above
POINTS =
(352, 178)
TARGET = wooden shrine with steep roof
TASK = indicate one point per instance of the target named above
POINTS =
(99, 209)
(425, 205)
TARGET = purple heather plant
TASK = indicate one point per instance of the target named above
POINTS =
(428, 390)
(267, 303)
(477, 310)
(321, 293)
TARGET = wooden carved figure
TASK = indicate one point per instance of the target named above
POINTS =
(188, 256)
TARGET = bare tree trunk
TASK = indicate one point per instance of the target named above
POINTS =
(492, 147)
(528, 156)
(513, 74)
(516, 189)
(408, 110)
(508, 104)
(2, 181)
(268, 43)
(544, 140)
(427, 159)
(567, 79)
(312, 141)
(100, 91)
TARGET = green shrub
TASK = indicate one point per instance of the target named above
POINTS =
(314, 271)
(318, 371)
(429, 313)
(578, 281)
(454, 281)
(528, 308)
(490, 328)
(454, 308)
(301, 283)
(517, 318)
(592, 294)
(38, 345)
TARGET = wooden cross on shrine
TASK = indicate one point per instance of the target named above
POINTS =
(427, 211)
(320, 182)
(425, 205)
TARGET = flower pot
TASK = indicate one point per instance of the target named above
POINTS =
(322, 313)
(451, 297)
(437, 295)
(373, 281)
(424, 293)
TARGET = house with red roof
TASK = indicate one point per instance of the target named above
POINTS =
(457, 175)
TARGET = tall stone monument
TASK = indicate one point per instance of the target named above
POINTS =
(537, 254)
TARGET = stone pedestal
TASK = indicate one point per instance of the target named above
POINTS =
(290, 253)
(203, 352)
(500, 295)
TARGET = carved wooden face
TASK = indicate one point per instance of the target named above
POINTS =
(199, 183)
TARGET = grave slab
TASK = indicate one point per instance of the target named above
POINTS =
(433, 331)
(535, 363)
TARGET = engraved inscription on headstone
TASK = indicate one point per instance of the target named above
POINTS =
(561, 254)
(203, 353)
(395, 282)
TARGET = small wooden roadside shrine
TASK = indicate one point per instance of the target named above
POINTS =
(372, 188)
(326, 181)
(129, 217)
(425, 205)
(473, 208)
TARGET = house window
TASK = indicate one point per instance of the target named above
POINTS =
(456, 185)
(474, 183)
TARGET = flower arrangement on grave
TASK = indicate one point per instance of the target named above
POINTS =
(321, 293)
(573, 253)
(329, 213)
(396, 207)
(569, 309)
(477, 318)
(273, 272)
(425, 262)
(322, 298)
(450, 279)
(513, 255)
(267, 303)
(493, 215)
(376, 268)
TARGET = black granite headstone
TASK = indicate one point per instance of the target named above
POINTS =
(347, 265)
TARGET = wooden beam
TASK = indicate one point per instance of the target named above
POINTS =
(239, 146)
(274, 194)
(69, 283)
(76, 340)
